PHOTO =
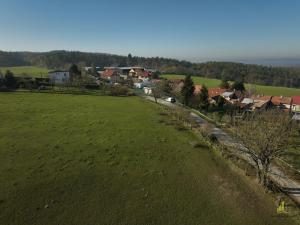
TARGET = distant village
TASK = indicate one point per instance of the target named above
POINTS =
(138, 75)
(143, 79)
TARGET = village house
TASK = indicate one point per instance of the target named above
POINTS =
(136, 73)
(295, 104)
(109, 72)
(282, 102)
(176, 84)
(198, 89)
(255, 102)
(215, 93)
(59, 77)
(246, 104)
(260, 102)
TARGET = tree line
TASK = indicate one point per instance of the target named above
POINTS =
(265, 75)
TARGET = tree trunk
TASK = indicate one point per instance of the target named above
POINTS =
(258, 173)
(265, 172)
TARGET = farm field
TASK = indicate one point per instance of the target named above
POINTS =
(261, 89)
(29, 70)
(70, 159)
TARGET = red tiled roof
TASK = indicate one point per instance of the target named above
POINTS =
(277, 100)
(260, 103)
(213, 92)
(198, 89)
(296, 100)
(265, 98)
(107, 73)
(261, 98)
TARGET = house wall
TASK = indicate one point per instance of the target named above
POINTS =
(296, 108)
(59, 77)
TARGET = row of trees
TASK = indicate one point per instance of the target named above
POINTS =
(276, 76)
(201, 101)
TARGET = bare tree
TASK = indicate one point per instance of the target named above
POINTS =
(265, 136)
(157, 90)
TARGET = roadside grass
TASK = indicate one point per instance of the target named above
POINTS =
(71, 159)
(28, 70)
(261, 89)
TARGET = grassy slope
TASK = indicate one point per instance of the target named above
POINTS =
(267, 90)
(29, 70)
(105, 160)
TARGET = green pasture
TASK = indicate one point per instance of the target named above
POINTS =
(71, 159)
(28, 70)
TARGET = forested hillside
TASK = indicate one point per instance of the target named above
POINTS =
(275, 76)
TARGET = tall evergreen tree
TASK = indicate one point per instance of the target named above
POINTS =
(94, 70)
(203, 98)
(187, 90)
(74, 69)
(238, 86)
(166, 86)
(1, 79)
(9, 80)
(74, 72)
(221, 102)
(129, 60)
(224, 84)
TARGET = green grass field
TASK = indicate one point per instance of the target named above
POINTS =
(68, 159)
(29, 70)
(261, 89)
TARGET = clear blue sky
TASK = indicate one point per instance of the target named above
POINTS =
(191, 29)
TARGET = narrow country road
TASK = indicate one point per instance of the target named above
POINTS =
(289, 186)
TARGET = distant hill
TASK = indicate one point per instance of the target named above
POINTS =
(278, 62)
(250, 73)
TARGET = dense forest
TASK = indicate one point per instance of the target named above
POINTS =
(275, 76)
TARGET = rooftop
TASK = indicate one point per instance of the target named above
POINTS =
(296, 100)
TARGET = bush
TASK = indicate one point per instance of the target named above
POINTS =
(3, 88)
(92, 86)
(10, 81)
(119, 90)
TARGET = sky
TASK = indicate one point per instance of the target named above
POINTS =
(194, 30)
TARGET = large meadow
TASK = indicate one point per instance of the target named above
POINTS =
(33, 71)
(70, 159)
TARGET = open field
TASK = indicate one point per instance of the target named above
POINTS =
(68, 159)
(29, 70)
(261, 89)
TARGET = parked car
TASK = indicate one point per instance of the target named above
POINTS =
(171, 99)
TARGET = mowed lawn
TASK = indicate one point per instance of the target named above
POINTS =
(29, 70)
(68, 159)
(260, 89)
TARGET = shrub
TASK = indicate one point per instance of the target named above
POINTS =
(119, 90)
(92, 86)
(10, 81)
